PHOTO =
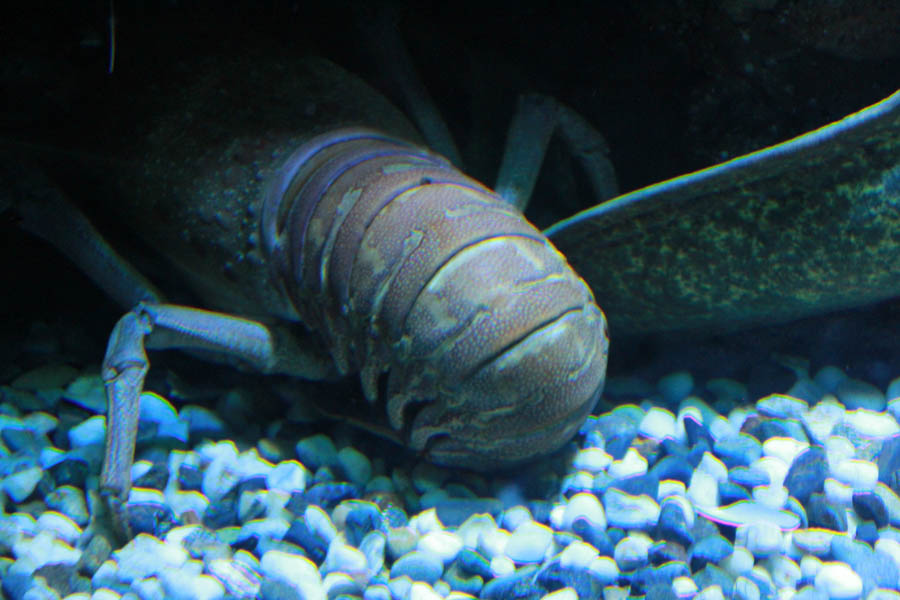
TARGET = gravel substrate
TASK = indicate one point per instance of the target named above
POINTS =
(686, 489)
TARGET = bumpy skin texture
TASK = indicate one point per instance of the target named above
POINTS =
(494, 348)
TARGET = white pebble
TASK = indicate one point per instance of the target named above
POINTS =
(287, 476)
(760, 538)
(420, 590)
(319, 522)
(838, 493)
(65, 528)
(781, 405)
(823, 417)
(890, 548)
(872, 424)
(632, 551)
(298, 571)
(606, 568)
(657, 424)
(592, 460)
(630, 512)
(145, 555)
(346, 559)
(180, 584)
(21, 484)
(631, 464)
(838, 581)
(493, 542)
(785, 572)
(774, 467)
(745, 589)
(529, 543)
(770, 495)
(502, 565)
(473, 527)
(584, 506)
(703, 490)
(684, 587)
(444, 545)
(740, 561)
(712, 592)
(577, 555)
(713, 466)
(861, 475)
(785, 448)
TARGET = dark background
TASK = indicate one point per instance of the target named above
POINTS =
(673, 85)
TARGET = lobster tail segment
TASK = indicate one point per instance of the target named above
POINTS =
(494, 348)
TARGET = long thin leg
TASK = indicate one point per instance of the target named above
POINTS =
(536, 119)
(163, 326)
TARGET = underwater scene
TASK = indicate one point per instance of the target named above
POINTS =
(387, 301)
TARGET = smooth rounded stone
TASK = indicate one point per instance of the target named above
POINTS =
(781, 406)
(359, 517)
(874, 568)
(838, 581)
(823, 514)
(870, 507)
(730, 493)
(861, 475)
(356, 466)
(807, 474)
(745, 589)
(592, 460)
(340, 585)
(870, 424)
(443, 545)
(65, 528)
(181, 584)
(703, 490)
(579, 481)
(853, 394)
(20, 485)
(738, 451)
(822, 418)
(837, 493)
(529, 542)
(712, 592)
(829, 377)
(866, 532)
(630, 465)
(711, 465)
(711, 549)
(672, 525)
(515, 516)
(87, 391)
(883, 594)
(584, 506)
(770, 495)
(316, 451)
(69, 501)
(673, 468)
(493, 542)
(566, 593)
(657, 424)
(785, 448)
(506, 586)
(675, 387)
(578, 555)
(287, 476)
(890, 548)
(418, 566)
(747, 477)
(240, 580)
(632, 552)
(815, 541)
(474, 563)
(711, 575)
(88, 432)
(740, 561)
(630, 512)
(502, 565)
(346, 559)
(760, 538)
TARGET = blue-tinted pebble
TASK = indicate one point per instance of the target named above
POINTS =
(889, 463)
(356, 466)
(747, 477)
(317, 451)
(328, 495)
(674, 448)
(711, 549)
(821, 514)
(418, 566)
(875, 568)
(315, 545)
(870, 507)
(697, 452)
(461, 582)
(672, 526)
(155, 477)
(223, 513)
(807, 474)
(765, 584)
(647, 577)
(362, 518)
(855, 394)
(472, 562)
(453, 511)
(696, 431)
(150, 517)
(673, 467)
(516, 585)
(793, 505)
(713, 575)
(540, 510)
(738, 451)
(597, 537)
(618, 444)
(89, 431)
(647, 483)
(731, 492)
(372, 546)
(867, 532)
(69, 501)
(379, 591)
(585, 582)
(190, 478)
(19, 439)
(664, 552)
